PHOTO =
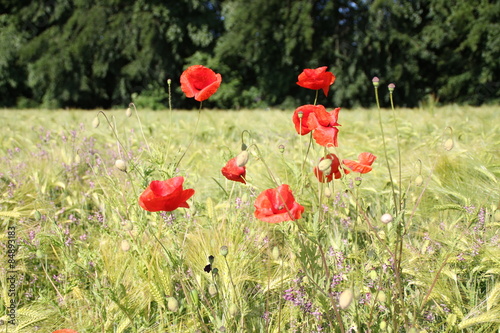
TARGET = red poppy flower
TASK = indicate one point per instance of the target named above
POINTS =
(200, 82)
(233, 172)
(166, 195)
(324, 124)
(302, 125)
(364, 164)
(316, 79)
(334, 170)
(277, 205)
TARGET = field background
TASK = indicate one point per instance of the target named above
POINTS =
(90, 259)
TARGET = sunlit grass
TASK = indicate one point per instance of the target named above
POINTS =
(91, 259)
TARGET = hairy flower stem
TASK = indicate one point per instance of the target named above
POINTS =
(140, 126)
(192, 138)
(398, 146)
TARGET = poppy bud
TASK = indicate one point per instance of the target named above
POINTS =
(391, 87)
(127, 226)
(381, 297)
(38, 215)
(172, 304)
(77, 159)
(223, 251)
(346, 298)
(215, 272)
(386, 218)
(95, 122)
(125, 245)
(281, 148)
(212, 290)
(497, 215)
(243, 146)
(328, 192)
(276, 253)
(324, 165)
(233, 310)
(128, 113)
(375, 81)
(242, 158)
(383, 325)
(121, 165)
(419, 180)
(448, 144)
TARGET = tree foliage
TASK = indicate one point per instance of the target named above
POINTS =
(88, 54)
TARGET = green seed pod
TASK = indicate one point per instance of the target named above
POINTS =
(346, 298)
(281, 148)
(223, 251)
(357, 181)
(173, 304)
(95, 122)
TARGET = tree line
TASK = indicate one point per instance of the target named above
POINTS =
(107, 53)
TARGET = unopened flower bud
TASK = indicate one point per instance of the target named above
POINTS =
(38, 215)
(223, 251)
(383, 325)
(346, 298)
(281, 148)
(121, 165)
(242, 158)
(233, 310)
(325, 164)
(77, 159)
(276, 253)
(215, 272)
(386, 218)
(375, 81)
(172, 304)
(125, 245)
(419, 180)
(195, 297)
(497, 215)
(128, 113)
(448, 144)
(381, 297)
(95, 122)
(391, 87)
(327, 192)
(212, 290)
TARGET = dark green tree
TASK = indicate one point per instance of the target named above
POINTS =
(98, 53)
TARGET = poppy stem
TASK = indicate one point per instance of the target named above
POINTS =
(192, 138)
(316, 98)
(140, 125)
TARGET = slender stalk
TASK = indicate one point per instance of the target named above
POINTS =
(192, 138)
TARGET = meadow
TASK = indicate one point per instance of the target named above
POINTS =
(91, 259)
